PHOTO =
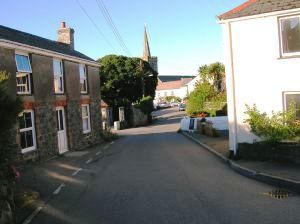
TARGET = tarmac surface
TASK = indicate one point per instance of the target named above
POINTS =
(155, 175)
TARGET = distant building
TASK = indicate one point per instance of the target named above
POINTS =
(60, 88)
(147, 54)
(177, 86)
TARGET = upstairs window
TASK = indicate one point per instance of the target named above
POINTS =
(293, 97)
(83, 79)
(27, 131)
(23, 77)
(58, 76)
(290, 35)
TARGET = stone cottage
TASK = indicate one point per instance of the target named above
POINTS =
(60, 89)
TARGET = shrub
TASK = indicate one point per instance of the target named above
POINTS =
(9, 110)
(280, 126)
(198, 97)
(146, 105)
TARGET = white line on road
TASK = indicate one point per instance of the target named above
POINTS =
(98, 153)
(76, 172)
(112, 143)
(106, 147)
(56, 192)
(31, 217)
(89, 161)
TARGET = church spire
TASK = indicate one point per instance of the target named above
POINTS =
(146, 54)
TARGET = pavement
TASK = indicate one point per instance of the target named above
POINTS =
(282, 171)
(154, 175)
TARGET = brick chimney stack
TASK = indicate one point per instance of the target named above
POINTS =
(66, 35)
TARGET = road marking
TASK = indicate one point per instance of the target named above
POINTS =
(31, 217)
(56, 192)
(106, 147)
(98, 153)
(112, 143)
(76, 172)
(89, 161)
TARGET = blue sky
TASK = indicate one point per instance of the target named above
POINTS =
(183, 34)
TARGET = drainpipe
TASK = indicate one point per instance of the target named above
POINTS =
(233, 89)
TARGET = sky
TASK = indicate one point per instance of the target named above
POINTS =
(183, 34)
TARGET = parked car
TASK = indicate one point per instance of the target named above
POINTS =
(163, 105)
(174, 104)
(181, 107)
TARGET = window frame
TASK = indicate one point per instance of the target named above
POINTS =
(25, 55)
(285, 101)
(20, 73)
(28, 77)
(59, 76)
(85, 78)
(88, 117)
(281, 38)
(25, 150)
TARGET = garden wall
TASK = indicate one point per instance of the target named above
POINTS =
(219, 123)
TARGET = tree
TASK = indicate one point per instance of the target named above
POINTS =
(203, 92)
(209, 94)
(126, 80)
(215, 74)
(9, 110)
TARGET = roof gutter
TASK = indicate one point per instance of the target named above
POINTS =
(263, 15)
(36, 50)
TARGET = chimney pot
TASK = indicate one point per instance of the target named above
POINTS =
(66, 35)
(63, 25)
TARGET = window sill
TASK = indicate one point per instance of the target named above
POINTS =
(24, 94)
(288, 57)
(86, 132)
(23, 151)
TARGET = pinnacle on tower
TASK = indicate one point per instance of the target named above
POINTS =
(146, 54)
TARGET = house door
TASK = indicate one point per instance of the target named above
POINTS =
(61, 130)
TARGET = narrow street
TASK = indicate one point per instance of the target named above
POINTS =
(155, 175)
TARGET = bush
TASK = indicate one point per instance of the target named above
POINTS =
(173, 99)
(280, 126)
(146, 105)
(198, 97)
(9, 110)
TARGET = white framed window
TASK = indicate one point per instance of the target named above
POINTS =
(83, 79)
(86, 121)
(27, 131)
(23, 77)
(58, 76)
(290, 35)
(292, 97)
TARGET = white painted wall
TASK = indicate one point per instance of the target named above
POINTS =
(182, 93)
(255, 72)
(191, 85)
(219, 123)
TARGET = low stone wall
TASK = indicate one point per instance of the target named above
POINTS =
(139, 118)
(262, 151)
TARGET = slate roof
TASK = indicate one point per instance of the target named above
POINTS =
(169, 78)
(173, 84)
(256, 7)
(169, 85)
(10, 34)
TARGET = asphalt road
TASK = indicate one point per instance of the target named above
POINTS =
(155, 175)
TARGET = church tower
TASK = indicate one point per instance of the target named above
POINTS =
(147, 54)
